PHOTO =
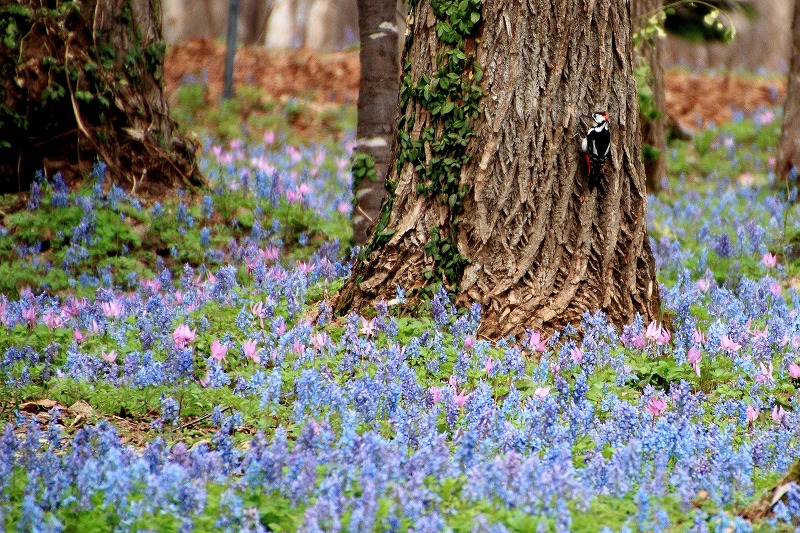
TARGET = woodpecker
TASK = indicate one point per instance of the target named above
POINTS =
(596, 146)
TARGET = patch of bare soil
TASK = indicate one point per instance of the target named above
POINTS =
(692, 99)
(319, 77)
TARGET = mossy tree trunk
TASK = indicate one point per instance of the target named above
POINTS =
(377, 111)
(488, 190)
(82, 81)
(789, 145)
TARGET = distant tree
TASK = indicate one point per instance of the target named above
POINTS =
(789, 145)
(647, 18)
(377, 111)
(487, 189)
(81, 81)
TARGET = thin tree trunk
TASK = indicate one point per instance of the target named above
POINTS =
(83, 81)
(512, 223)
(653, 113)
(789, 145)
(377, 111)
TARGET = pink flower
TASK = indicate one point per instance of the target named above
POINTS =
(537, 343)
(775, 288)
(79, 337)
(293, 196)
(751, 414)
(704, 284)
(778, 414)
(469, 342)
(218, 350)
(726, 343)
(794, 370)
(462, 397)
(251, 350)
(639, 342)
(111, 309)
(699, 336)
(488, 366)
(541, 392)
(204, 380)
(367, 327)
(318, 340)
(694, 357)
(658, 333)
(182, 336)
(656, 406)
(269, 137)
(436, 394)
(53, 320)
(765, 376)
(29, 314)
(577, 354)
(298, 346)
(769, 260)
(109, 357)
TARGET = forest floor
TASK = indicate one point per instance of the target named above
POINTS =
(693, 99)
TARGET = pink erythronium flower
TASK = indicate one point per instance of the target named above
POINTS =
(699, 336)
(728, 344)
(751, 414)
(656, 406)
(111, 309)
(694, 357)
(537, 342)
(794, 370)
(462, 397)
(319, 340)
(29, 314)
(182, 336)
(775, 288)
(469, 342)
(251, 350)
(258, 310)
(79, 337)
(778, 413)
(653, 331)
(541, 392)
(367, 327)
(769, 260)
(704, 284)
(577, 354)
(488, 366)
(765, 375)
(53, 320)
(109, 357)
(218, 350)
(298, 346)
(269, 137)
(436, 394)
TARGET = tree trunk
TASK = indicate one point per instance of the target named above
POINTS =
(83, 81)
(789, 145)
(377, 111)
(652, 109)
(488, 190)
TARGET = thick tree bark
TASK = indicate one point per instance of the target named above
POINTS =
(83, 81)
(789, 145)
(541, 248)
(377, 111)
(653, 117)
